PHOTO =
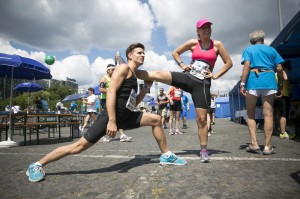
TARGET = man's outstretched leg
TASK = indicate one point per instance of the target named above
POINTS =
(35, 171)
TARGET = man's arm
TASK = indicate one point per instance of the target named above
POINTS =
(143, 92)
(102, 86)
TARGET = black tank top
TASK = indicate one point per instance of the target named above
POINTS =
(123, 94)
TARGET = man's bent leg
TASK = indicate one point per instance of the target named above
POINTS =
(167, 156)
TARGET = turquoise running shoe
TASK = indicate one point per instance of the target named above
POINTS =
(35, 173)
(172, 160)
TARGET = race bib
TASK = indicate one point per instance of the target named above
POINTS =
(199, 69)
(177, 93)
(131, 102)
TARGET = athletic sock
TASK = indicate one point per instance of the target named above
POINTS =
(167, 154)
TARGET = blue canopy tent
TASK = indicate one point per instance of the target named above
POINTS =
(236, 101)
(288, 46)
(222, 107)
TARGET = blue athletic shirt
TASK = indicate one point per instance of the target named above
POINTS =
(264, 57)
(184, 101)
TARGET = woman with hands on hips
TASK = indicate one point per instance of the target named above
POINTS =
(196, 77)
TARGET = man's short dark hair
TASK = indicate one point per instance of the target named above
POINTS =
(131, 47)
(91, 89)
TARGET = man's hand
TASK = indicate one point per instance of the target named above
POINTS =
(111, 130)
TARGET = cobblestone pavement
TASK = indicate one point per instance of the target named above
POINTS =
(130, 169)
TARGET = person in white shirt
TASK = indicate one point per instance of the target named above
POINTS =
(16, 108)
(91, 109)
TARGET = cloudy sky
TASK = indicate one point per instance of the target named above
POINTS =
(85, 35)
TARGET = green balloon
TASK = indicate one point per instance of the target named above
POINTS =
(49, 60)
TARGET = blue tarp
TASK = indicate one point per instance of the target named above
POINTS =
(236, 100)
(222, 107)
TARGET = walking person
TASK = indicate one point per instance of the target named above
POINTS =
(91, 109)
(162, 100)
(280, 106)
(258, 80)
(174, 95)
(104, 85)
(211, 114)
(185, 107)
(196, 78)
(212, 109)
(121, 101)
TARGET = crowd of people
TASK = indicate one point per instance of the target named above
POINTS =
(258, 79)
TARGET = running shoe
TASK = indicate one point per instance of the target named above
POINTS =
(35, 173)
(284, 135)
(125, 138)
(80, 129)
(171, 132)
(184, 126)
(165, 127)
(172, 160)
(104, 139)
(177, 132)
(204, 156)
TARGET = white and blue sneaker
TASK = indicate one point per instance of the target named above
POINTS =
(172, 160)
(35, 173)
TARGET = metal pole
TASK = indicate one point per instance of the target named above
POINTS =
(279, 15)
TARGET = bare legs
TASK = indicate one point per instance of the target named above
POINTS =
(267, 102)
(201, 117)
(74, 148)
(149, 119)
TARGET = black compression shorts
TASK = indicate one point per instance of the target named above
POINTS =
(98, 129)
(200, 91)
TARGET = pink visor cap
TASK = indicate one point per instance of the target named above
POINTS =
(201, 22)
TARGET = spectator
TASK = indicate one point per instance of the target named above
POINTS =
(73, 106)
(185, 107)
(162, 100)
(59, 106)
(258, 79)
(38, 105)
(174, 94)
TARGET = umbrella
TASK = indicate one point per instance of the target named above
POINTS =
(17, 67)
(96, 90)
(28, 87)
(73, 97)
(148, 98)
(152, 102)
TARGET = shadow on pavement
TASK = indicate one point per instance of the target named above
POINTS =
(123, 167)
(296, 176)
(197, 152)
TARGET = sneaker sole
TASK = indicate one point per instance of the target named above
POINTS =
(206, 161)
(169, 163)
(125, 140)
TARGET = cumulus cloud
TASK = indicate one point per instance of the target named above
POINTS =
(74, 29)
